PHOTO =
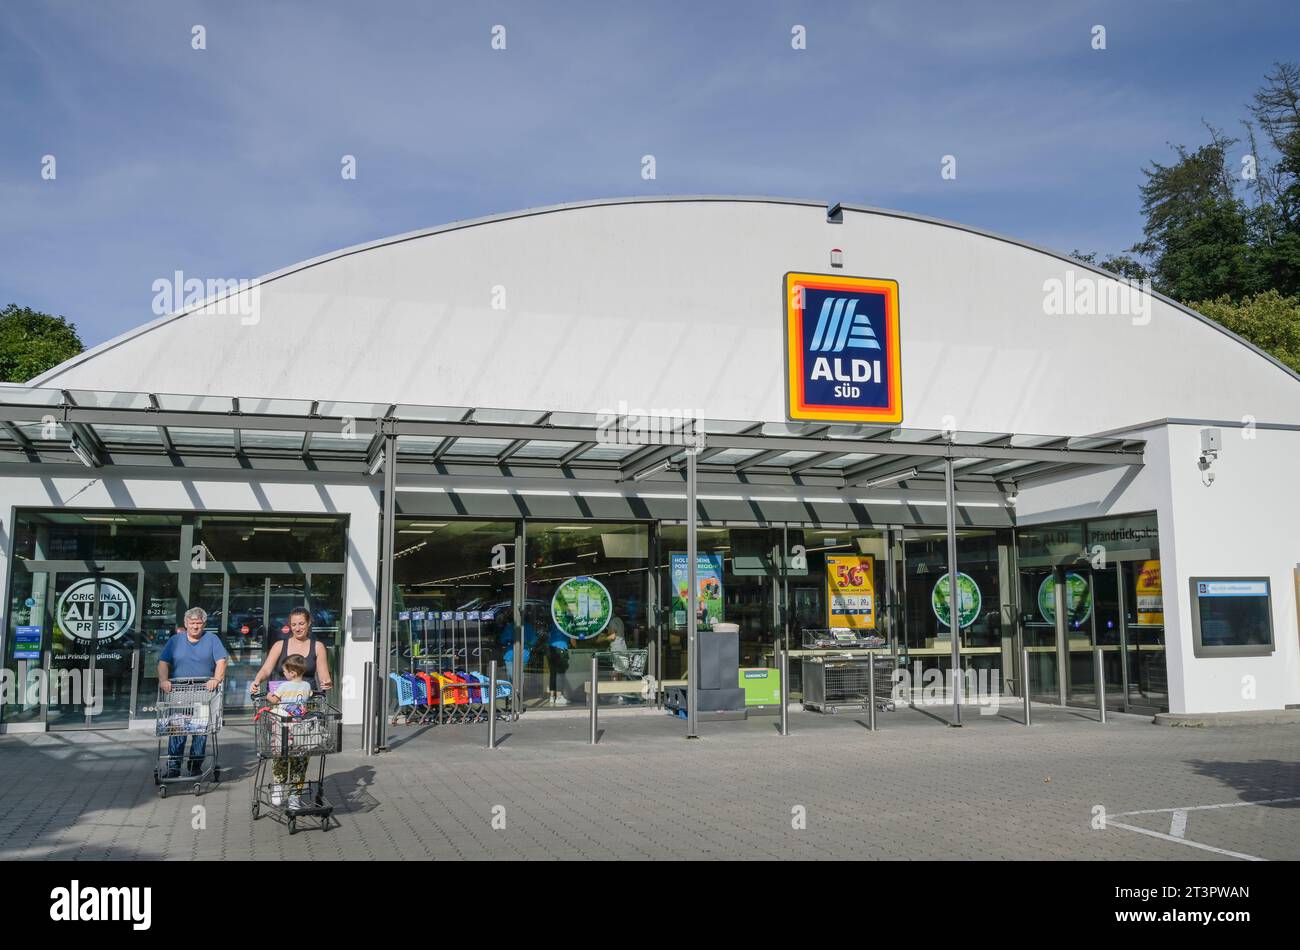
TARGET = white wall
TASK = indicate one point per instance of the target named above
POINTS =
(679, 305)
(1246, 524)
(359, 502)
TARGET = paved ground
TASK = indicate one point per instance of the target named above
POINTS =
(916, 789)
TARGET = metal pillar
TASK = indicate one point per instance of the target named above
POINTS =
(595, 698)
(871, 691)
(692, 595)
(367, 692)
(1099, 675)
(520, 593)
(384, 644)
(492, 705)
(954, 592)
(1024, 677)
(783, 671)
(1062, 637)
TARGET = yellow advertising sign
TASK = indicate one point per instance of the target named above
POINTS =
(850, 592)
(1150, 600)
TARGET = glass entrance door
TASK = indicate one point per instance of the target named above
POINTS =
(94, 624)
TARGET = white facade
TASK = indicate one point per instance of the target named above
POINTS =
(676, 304)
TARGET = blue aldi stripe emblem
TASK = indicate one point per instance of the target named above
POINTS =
(843, 358)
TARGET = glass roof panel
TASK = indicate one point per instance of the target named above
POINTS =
(270, 439)
(175, 403)
(542, 449)
(202, 438)
(418, 413)
(106, 400)
(581, 420)
(414, 444)
(790, 458)
(43, 432)
(339, 442)
(608, 451)
(479, 447)
(847, 459)
(275, 407)
(730, 456)
(29, 396)
(508, 416)
(127, 434)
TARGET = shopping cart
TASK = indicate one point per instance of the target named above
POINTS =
(288, 737)
(188, 714)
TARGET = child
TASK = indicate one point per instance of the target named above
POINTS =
(290, 699)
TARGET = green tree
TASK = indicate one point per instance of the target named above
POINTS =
(32, 342)
(1122, 265)
(1197, 234)
(1276, 219)
(1269, 320)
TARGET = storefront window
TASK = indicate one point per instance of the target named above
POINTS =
(1107, 573)
(746, 592)
(133, 564)
(453, 597)
(983, 564)
(587, 587)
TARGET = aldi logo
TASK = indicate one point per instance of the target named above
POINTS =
(842, 349)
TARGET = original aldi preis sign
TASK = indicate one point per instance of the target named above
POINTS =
(842, 349)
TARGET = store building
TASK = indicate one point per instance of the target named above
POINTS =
(1123, 471)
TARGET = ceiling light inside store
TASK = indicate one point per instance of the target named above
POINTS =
(429, 524)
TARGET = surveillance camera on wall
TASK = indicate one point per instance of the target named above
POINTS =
(1211, 442)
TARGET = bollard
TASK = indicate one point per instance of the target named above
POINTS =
(1024, 680)
(595, 694)
(1100, 676)
(367, 692)
(871, 690)
(492, 705)
(783, 670)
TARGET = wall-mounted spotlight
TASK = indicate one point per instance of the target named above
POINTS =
(376, 462)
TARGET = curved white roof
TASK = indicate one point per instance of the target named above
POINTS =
(676, 304)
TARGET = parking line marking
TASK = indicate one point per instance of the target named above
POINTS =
(1157, 811)
(1190, 844)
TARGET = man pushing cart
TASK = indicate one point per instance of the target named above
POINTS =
(191, 670)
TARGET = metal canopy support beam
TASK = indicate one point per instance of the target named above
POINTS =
(692, 635)
(582, 448)
(162, 430)
(645, 461)
(17, 435)
(954, 592)
(306, 436)
(816, 461)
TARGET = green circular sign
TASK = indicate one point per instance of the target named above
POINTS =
(1078, 599)
(581, 607)
(970, 603)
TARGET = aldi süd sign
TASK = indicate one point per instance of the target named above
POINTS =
(843, 360)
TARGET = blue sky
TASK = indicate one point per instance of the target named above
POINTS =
(225, 162)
